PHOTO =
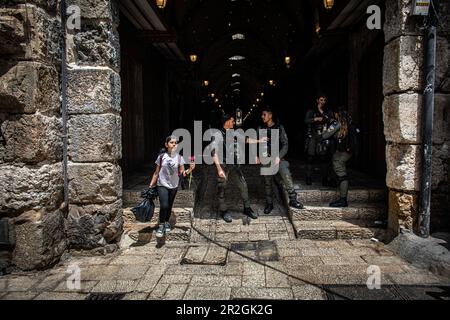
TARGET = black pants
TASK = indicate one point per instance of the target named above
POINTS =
(166, 199)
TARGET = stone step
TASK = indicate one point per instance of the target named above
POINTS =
(184, 198)
(142, 233)
(336, 229)
(354, 195)
(179, 215)
(356, 211)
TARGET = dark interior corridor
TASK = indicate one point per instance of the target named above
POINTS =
(194, 60)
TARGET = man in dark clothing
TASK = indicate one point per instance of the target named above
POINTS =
(284, 174)
(231, 171)
(317, 148)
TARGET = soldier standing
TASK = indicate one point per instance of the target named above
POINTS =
(283, 175)
(318, 149)
(231, 171)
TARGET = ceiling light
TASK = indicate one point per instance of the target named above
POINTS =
(161, 3)
(236, 58)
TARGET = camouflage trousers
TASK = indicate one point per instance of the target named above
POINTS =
(233, 174)
(339, 161)
(284, 178)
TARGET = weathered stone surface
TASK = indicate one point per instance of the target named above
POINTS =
(36, 34)
(27, 87)
(49, 5)
(99, 9)
(402, 118)
(399, 21)
(96, 44)
(93, 91)
(23, 188)
(403, 167)
(95, 138)
(31, 139)
(40, 239)
(88, 229)
(403, 210)
(94, 183)
(403, 60)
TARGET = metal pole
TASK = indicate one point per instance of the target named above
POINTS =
(64, 100)
(427, 134)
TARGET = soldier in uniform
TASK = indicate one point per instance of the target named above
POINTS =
(343, 131)
(231, 171)
(318, 149)
(284, 174)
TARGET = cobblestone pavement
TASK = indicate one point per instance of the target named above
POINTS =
(300, 269)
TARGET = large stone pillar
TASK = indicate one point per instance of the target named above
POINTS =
(31, 176)
(94, 127)
(403, 86)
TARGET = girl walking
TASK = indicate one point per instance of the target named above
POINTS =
(169, 168)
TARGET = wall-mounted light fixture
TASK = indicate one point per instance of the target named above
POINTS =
(161, 3)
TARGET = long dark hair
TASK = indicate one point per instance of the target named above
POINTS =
(171, 137)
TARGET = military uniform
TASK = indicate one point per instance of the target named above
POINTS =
(232, 172)
(339, 160)
(316, 146)
(284, 175)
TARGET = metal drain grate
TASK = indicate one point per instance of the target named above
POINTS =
(105, 296)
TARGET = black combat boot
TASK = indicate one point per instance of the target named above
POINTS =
(268, 209)
(249, 213)
(226, 216)
(341, 203)
(295, 204)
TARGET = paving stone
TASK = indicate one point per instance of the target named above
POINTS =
(132, 272)
(228, 228)
(233, 269)
(99, 272)
(176, 292)
(343, 260)
(116, 286)
(195, 255)
(60, 296)
(250, 268)
(382, 260)
(18, 283)
(148, 283)
(255, 228)
(176, 279)
(258, 236)
(51, 282)
(19, 296)
(311, 252)
(216, 281)
(207, 293)
(417, 279)
(302, 261)
(85, 287)
(275, 279)
(278, 235)
(257, 280)
(195, 270)
(262, 293)
(231, 237)
(135, 296)
(289, 252)
(135, 260)
(159, 291)
(309, 292)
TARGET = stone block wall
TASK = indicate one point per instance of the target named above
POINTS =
(403, 83)
(94, 127)
(31, 174)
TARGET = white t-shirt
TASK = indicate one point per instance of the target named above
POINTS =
(168, 174)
